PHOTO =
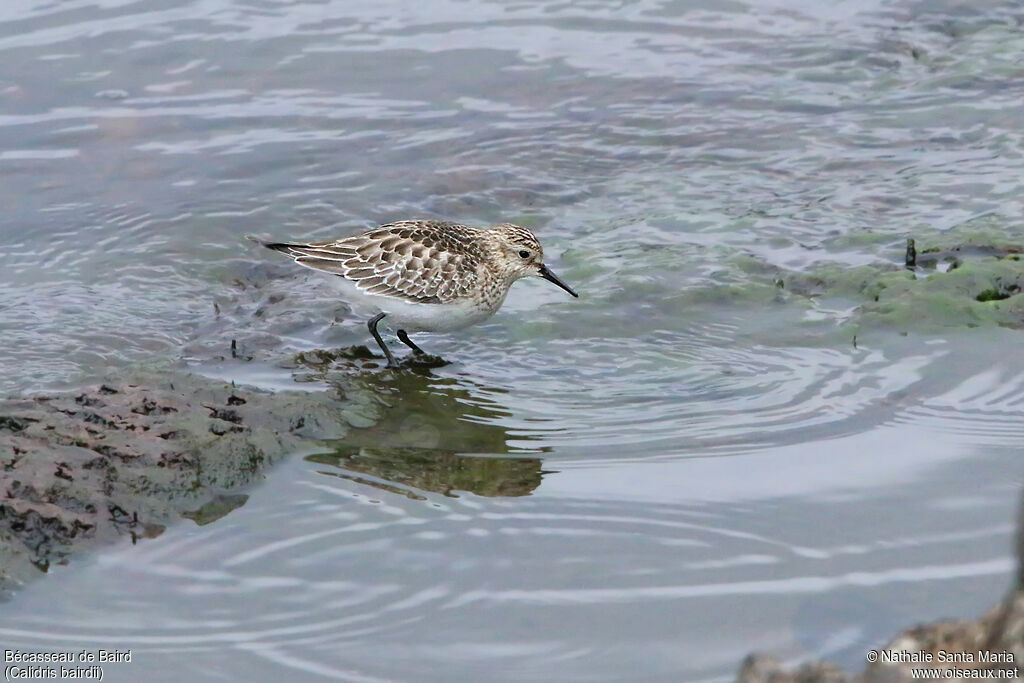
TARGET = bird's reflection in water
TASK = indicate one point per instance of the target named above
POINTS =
(422, 432)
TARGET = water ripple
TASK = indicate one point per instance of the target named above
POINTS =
(450, 563)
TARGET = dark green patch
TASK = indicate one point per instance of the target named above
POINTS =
(14, 424)
(992, 295)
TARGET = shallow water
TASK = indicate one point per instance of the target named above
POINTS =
(650, 481)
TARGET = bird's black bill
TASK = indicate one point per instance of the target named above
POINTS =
(551, 277)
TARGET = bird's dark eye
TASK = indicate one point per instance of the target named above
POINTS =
(524, 253)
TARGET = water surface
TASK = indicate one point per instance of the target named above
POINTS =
(650, 481)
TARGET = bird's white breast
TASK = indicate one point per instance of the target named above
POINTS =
(411, 317)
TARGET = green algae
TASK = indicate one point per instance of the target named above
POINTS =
(968, 276)
(978, 293)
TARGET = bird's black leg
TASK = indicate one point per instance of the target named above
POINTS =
(372, 324)
(408, 342)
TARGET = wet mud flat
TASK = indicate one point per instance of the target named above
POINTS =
(82, 469)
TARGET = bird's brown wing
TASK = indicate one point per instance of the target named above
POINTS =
(418, 261)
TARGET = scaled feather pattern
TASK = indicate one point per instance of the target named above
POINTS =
(428, 262)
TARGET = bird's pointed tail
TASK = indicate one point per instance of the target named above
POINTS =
(276, 246)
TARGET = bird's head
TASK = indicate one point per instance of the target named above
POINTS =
(520, 255)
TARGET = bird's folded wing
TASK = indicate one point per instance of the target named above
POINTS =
(382, 262)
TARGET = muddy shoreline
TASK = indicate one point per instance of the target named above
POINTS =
(82, 469)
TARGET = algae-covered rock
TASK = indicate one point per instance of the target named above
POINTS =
(976, 293)
(970, 276)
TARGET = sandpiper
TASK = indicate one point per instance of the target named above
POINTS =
(425, 275)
